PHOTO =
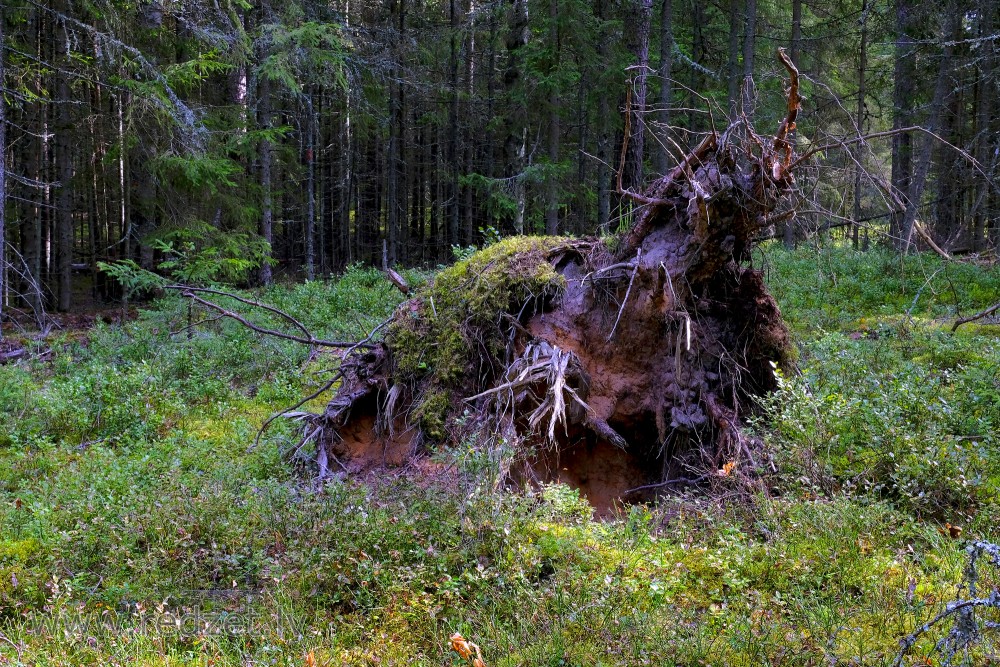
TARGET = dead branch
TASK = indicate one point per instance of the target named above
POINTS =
(920, 291)
(781, 144)
(256, 304)
(627, 293)
(917, 225)
(686, 481)
(339, 375)
(843, 143)
(13, 355)
(978, 316)
(17, 647)
(307, 339)
(966, 629)
(922, 233)
(396, 279)
(190, 327)
(693, 159)
(277, 415)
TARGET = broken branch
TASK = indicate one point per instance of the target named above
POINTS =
(311, 340)
(978, 316)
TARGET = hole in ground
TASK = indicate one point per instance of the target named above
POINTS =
(603, 472)
(361, 448)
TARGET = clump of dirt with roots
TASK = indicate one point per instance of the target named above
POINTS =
(620, 366)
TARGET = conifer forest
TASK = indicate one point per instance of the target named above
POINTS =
(296, 138)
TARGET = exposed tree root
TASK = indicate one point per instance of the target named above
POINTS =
(622, 366)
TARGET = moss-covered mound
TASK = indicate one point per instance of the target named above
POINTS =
(453, 338)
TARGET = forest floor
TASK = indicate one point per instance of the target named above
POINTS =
(140, 525)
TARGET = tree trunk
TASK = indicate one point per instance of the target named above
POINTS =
(266, 227)
(471, 138)
(603, 128)
(638, 31)
(698, 49)
(986, 141)
(941, 89)
(453, 186)
(3, 182)
(749, 49)
(904, 80)
(788, 234)
(394, 190)
(392, 187)
(552, 196)
(64, 154)
(733, 63)
(515, 142)
(662, 154)
(310, 190)
(860, 119)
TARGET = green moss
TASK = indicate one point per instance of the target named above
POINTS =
(455, 327)
(18, 551)
(432, 412)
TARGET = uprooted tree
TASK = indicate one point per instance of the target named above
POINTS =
(613, 364)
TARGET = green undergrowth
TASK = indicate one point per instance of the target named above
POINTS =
(889, 402)
(141, 525)
(841, 289)
(453, 332)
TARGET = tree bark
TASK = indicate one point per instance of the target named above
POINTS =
(749, 49)
(393, 190)
(603, 126)
(985, 137)
(666, 83)
(860, 118)
(471, 140)
(788, 233)
(453, 186)
(698, 49)
(733, 61)
(310, 190)
(552, 195)
(904, 75)
(64, 154)
(266, 227)
(3, 182)
(515, 143)
(638, 31)
(941, 89)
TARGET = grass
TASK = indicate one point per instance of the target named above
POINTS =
(139, 525)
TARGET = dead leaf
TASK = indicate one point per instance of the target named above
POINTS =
(954, 532)
(460, 646)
